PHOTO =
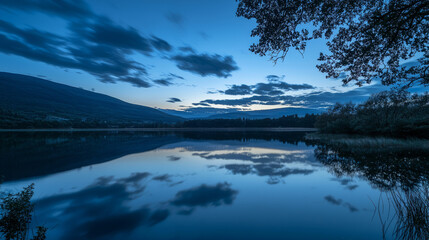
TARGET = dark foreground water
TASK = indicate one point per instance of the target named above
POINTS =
(219, 185)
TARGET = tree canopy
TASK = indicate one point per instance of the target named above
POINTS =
(366, 38)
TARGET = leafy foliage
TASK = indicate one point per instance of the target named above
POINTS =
(395, 113)
(16, 215)
(366, 38)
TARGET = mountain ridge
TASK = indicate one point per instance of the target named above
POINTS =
(233, 114)
(50, 101)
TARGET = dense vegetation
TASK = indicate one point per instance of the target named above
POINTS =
(366, 39)
(33, 120)
(285, 121)
(16, 214)
(392, 113)
(14, 120)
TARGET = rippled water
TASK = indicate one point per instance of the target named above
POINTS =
(209, 185)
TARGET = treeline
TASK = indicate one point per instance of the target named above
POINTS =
(14, 120)
(306, 121)
(389, 113)
(28, 120)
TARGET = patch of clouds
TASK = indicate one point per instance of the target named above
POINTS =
(340, 202)
(205, 195)
(206, 64)
(95, 44)
(175, 18)
(174, 100)
(187, 49)
(274, 87)
(267, 94)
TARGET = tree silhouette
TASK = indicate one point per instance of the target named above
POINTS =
(16, 213)
(366, 38)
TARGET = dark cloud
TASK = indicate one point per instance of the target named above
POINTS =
(343, 181)
(241, 169)
(351, 207)
(163, 178)
(62, 8)
(242, 89)
(252, 157)
(319, 99)
(339, 202)
(134, 178)
(346, 182)
(272, 88)
(36, 37)
(206, 65)
(174, 100)
(275, 172)
(332, 200)
(114, 224)
(204, 35)
(187, 49)
(272, 165)
(160, 44)
(158, 216)
(173, 158)
(117, 69)
(279, 170)
(278, 88)
(176, 183)
(172, 75)
(95, 44)
(273, 78)
(168, 79)
(103, 31)
(175, 18)
(265, 100)
(101, 209)
(135, 81)
(107, 63)
(164, 82)
(205, 195)
(201, 104)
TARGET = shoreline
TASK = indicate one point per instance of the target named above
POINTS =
(161, 130)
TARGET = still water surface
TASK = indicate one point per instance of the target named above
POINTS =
(202, 185)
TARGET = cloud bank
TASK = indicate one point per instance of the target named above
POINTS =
(97, 45)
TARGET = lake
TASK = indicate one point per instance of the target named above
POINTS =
(217, 185)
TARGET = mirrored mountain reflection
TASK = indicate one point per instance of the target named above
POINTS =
(32, 154)
(219, 185)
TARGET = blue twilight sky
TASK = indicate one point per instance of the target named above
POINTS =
(163, 54)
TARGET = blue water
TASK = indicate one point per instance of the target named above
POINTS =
(197, 186)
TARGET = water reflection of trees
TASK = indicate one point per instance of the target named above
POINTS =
(385, 168)
(401, 173)
(412, 209)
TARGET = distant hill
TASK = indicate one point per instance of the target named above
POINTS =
(198, 113)
(269, 113)
(33, 98)
(213, 113)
